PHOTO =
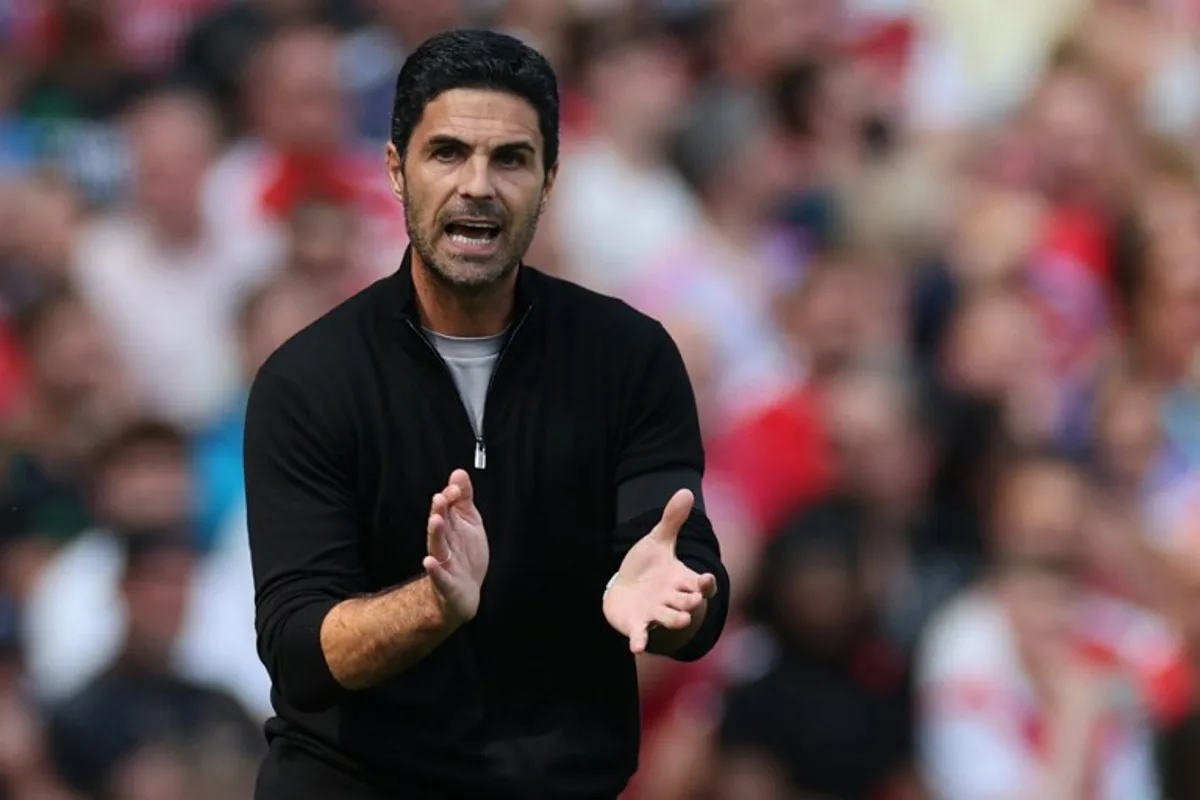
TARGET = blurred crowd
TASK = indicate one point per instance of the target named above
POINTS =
(934, 266)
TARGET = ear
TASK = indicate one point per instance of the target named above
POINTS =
(395, 169)
(548, 186)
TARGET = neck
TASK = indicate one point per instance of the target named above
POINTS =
(452, 312)
(142, 660)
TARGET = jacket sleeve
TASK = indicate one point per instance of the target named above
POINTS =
(661, 445)
(304, 539)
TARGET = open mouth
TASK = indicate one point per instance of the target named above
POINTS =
(471, 233)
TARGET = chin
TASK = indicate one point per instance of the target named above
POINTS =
(471, 275)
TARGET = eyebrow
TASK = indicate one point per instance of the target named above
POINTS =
(445, 140)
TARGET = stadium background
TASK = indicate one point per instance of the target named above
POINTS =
(935, 269)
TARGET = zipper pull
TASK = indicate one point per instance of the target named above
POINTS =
(480, 455)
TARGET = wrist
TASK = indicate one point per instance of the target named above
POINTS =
(443, 617)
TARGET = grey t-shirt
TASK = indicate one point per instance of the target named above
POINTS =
(471, 361)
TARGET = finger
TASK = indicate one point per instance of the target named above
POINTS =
(685, 601)
(439, 504)
(674, 515)
(462, 480)
(708, 585)
(452, 493)
(638, 639)
(436, 538)
(672, 618)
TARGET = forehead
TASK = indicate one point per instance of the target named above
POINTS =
(480, 117)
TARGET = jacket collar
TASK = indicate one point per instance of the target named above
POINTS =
(403, 296)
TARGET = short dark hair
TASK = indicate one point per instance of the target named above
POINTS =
(837, 525)
(476, 59)
(137, 434)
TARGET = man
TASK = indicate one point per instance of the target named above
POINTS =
(473, 489)
(140, 702)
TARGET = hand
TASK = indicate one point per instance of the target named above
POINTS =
(458, 548)
(654, 588)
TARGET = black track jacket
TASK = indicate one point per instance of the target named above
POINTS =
(352, 426)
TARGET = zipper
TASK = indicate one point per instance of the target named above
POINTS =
(480, 445)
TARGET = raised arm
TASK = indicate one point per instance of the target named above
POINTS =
(662, 453)
(321, 631)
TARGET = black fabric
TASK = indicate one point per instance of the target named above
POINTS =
(121, 711)
(651, 492)
(840, 729)
(351, 428)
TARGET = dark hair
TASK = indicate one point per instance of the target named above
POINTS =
(146, 432)
(476, 59)
(836, 525)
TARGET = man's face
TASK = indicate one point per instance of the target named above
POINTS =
(147, 487)
(473, 186)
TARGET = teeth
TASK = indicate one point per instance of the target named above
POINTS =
(462, 238)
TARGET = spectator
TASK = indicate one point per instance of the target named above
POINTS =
(636, 85)
(142, 482)
(101, 735)
(832, 716)
(1012, 698)
(297, 151)
(139, 482)
(158, 276)
(84, 82)
(917, 554)
(80, 395)
(729, 268)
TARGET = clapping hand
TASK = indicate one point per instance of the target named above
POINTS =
(653, 588)
(458, 548)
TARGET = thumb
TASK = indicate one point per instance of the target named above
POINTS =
(673, 517)
(462, 480)
(436, 570)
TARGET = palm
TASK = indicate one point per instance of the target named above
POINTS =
(458, 547)
(653, 588)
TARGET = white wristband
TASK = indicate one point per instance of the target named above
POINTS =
(610, 583)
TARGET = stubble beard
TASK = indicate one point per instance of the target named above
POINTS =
(474, 280)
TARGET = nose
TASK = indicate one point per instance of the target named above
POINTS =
(476, 178)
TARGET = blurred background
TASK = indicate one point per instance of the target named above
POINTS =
(934, 266)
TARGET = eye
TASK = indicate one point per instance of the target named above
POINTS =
(447, 154)
(510, 160)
